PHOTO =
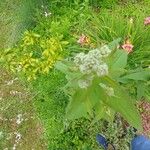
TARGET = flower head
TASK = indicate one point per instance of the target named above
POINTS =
(83, 40)
(105, 51)
(127, 46)
(147, 21)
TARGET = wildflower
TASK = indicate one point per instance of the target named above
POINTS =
(83, 84)
(10, 82)
(14, 147)
(95, 53)
(92, 62)
(105, 51)
(109, 90)
(83, 40)
(15, 93)
(18, 137)
(127, 46)
(78, 59)
(131, 20)
(19, 119)
(147, 21)
(102, 70)
(46, 14)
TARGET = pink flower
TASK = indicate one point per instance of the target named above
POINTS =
(147, 21)
(127, 46)
(83, 40)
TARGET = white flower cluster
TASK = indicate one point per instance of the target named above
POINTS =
(105, 51)
(109, 90)
(85, 83)
(91, 63)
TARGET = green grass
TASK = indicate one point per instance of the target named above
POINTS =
(16, 16)
(115, 23)
(15, 97)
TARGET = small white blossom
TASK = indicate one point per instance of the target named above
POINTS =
(102, 70)
(47, 14)
(85, 69)
(83, 84)
(18, 137)
(105, 51)
(92, 62)
(19, 119)
(15, 93)
(9, 82)
(78, 59)
(19, 68)
(14, 147)
(95, 53)
(109, 90)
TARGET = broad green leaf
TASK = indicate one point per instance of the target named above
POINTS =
(125, 106)
(77, 107)
(83, 101)
(119, 60)
(140, 90)
(103, 112)
(114, 44)
(141, 76)
(61, 66)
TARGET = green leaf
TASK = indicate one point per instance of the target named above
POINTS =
(61, 66)
(140, 90)
(119, 60)
(114, 44)
(77, 107)
(102, 111)
(138, 76)
(83, 101)
(126, 107)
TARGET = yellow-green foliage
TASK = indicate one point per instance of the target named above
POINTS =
(34, 55)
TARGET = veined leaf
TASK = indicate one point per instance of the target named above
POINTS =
(119, 60)
(125, 106)
(138, 76)
(140, 90)
(102, 111)
(61, 66)
(83, 101)
(76, 107)
(114, 44)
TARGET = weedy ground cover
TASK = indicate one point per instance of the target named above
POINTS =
(58, 30)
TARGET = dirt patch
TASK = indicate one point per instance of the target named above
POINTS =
(20, 129)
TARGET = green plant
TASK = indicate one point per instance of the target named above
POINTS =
(34, 55)
(50, 103)
(93, 85)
